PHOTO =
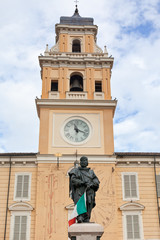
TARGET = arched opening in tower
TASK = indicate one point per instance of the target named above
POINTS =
(76, 46)
(76, 83)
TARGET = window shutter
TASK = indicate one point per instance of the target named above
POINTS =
(25, 186)
(23, 227)
(20, 228)
(133, 185)
(126, 186)
(16, 228)
(158, 184)
(133, 228)
(130, 186)
(136, 226)
(22, 187)
(19, 186)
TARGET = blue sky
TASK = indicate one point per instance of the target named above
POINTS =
(131, 31)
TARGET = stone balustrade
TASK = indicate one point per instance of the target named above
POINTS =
(76, 95)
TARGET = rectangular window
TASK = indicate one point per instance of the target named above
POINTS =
(158, 184)
(20, 228)
(22, 186)
(130, 186)
(98, 86)
(54, 85)
(20, 225)
(133, 227)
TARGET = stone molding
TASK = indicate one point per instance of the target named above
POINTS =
(131, 206)
(20, 206)
(68, 59)
(75, 103)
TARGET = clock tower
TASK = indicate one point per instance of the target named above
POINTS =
(76, 113)
(76, 109)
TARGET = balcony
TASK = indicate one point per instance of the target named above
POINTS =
(76, 95)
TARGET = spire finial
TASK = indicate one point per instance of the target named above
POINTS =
(76, 1)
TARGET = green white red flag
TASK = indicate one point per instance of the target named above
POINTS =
(79, 208)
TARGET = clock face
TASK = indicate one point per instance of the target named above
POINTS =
(76, 130)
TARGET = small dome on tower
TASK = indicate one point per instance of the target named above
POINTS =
(76, 19)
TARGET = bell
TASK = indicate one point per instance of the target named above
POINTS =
(76, 86)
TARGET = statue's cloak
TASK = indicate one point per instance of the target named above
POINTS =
(81, 180)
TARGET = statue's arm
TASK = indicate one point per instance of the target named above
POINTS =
(95, 182)
(76, 181)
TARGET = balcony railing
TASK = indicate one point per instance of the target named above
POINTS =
(76, 95)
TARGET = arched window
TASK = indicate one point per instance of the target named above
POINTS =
(76, 46)
(76, 83)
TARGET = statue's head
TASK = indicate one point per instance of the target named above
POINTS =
(84, 161)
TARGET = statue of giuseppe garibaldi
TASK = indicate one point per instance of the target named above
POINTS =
(84, 179)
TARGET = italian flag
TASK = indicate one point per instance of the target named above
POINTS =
(79, 208)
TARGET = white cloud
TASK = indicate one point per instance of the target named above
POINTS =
(25, 28)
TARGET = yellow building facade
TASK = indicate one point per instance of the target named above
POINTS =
(34, 199)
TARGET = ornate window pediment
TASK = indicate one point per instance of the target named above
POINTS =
(131, 206)
(20, 206)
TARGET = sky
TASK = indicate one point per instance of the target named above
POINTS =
(131, 31)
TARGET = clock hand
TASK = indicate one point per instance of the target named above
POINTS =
(81, 131)
(76, 129)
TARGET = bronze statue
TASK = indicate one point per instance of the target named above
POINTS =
(84, 179)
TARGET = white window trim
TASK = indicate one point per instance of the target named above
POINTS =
(139, 213)
(130, 198)
(20, 213)
(29, 187)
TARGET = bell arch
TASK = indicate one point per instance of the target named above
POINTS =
(76, 82)
(76, 45)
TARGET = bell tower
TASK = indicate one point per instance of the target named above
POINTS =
(76, 109)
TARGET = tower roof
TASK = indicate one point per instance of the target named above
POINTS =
(76, 19)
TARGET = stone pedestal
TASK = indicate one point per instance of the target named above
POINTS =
(85, 231)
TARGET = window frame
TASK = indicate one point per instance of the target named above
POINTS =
(52, 82)
(100, 84)
(20, 213)
(29, 186)
(137, 186)
(124, 215)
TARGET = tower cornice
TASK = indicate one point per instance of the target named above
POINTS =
(75, 104)
(73, 58)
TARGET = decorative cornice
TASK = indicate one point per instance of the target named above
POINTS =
(18, 159)
(75, 104)
(60, 28)
(50, 158)
(58, 58)
(137, 159)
